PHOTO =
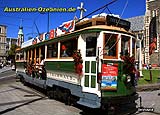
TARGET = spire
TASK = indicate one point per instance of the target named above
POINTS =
(20, 28)
(20, 32)
(82, 10)
(20, 35)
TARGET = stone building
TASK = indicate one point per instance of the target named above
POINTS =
(152, 33)
(147, 30)
(9, 42)
(137, 27)
(3, 30)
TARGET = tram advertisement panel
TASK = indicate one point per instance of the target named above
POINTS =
(109, 77)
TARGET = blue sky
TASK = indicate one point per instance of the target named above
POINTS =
(124, 8)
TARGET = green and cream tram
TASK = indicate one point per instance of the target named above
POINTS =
(87, 64)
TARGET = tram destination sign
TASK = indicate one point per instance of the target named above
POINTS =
(111, 20)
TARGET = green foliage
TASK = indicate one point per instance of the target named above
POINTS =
(12, 51)
(146, 77)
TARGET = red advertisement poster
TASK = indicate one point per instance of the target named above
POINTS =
(109, 77)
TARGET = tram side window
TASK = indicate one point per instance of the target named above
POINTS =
(52, 50)
(17, 57)
(68, 47)
(125, 45)
(22, 57)
(110, 45)
(91, 44)
(133, 47)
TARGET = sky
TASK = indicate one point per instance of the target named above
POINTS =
(37, 20)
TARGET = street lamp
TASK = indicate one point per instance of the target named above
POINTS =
(140, 38)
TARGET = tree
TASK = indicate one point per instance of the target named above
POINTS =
(12, 52)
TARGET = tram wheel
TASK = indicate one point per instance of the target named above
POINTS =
(50, 94)
(22, 80)
(67, 97)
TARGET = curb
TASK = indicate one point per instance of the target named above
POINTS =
(10, 69)
(149, 87)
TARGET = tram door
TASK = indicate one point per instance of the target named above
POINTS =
(90, 66)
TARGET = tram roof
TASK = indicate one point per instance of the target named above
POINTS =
(82, 27)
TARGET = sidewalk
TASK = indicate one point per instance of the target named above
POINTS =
(4, 69)
(148, 87)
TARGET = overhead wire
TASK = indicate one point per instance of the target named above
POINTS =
(126, 3)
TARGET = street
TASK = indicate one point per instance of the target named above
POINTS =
(17, 99)
(150, 99)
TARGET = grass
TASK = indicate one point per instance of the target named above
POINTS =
(146, 77)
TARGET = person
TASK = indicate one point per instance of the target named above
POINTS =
(37, 67)
(64, 54)
(37, 63)
(42, 69)
(152, 46)
(29, 67)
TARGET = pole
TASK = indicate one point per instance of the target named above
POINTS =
(140, 58)
(48, 24)
(150, 67)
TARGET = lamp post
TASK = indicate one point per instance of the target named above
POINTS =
(140, 38)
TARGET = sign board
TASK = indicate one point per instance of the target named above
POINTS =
(111, 20)
(109, 77)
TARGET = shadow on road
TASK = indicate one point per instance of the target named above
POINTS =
(26, 103)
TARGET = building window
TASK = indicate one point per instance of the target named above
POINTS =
(68, 47)
(52, 50)
(110, 45)
(91, 44)
(0, 30)
(147, 19)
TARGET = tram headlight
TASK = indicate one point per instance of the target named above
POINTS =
(128, 78)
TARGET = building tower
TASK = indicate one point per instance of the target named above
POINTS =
(20, 36)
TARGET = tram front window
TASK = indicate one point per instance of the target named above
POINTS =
(91, 43)
(110, 45)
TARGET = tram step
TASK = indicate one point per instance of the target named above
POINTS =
(89, 103)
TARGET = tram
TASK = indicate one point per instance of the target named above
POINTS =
(89, 62)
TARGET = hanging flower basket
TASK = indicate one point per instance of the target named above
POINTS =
(78, 62)
(129, 64)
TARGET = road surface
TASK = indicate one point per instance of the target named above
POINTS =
(17, 99)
